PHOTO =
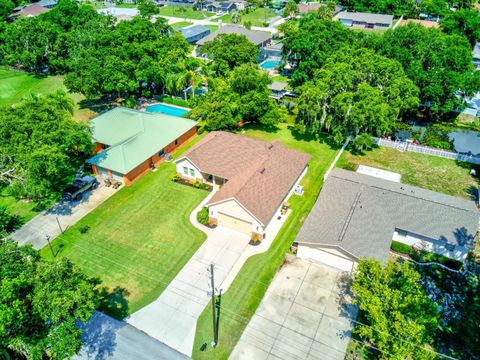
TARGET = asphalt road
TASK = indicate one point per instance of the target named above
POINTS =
(106, 338)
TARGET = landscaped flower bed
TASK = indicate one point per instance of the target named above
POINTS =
(196, 184)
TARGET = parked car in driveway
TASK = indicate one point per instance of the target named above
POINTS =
(80, 186)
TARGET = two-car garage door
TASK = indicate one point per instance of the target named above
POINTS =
(326, 256)
(234, 223)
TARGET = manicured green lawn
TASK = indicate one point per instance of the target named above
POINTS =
(248, 288)
(18, 85)
(181, 24)
(212, 27)
(27, 210)
(188, 13)
(257, 17)
(430, 172)
(138, 240)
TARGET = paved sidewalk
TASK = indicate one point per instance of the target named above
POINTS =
(305, 314)
(68, 213)
(106, 338)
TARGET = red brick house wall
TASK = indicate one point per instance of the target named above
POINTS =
(144, 167)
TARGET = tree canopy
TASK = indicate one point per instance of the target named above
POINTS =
(438, 63)
(41, 302)
(355, 91)
(463, 22)
(399, 318)
(309, 45)
(41, 147)
(133, 57)
(228, 51)
(394, 7)
(243, 96)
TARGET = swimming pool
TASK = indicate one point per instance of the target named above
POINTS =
(166, 109)
(270, 64)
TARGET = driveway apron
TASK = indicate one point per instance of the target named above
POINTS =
(172, 318)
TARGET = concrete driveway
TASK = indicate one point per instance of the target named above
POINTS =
(305, 314)
(106, 338)
(172, 318)
(65, 213)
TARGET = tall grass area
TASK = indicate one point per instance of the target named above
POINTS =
(250, 285)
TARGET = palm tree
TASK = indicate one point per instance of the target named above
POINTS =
(236, 17)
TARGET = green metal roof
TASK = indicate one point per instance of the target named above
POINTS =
(134, 136)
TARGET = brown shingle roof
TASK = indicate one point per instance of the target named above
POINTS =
(30, 10)
(260, 174)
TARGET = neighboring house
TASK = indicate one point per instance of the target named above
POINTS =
(194, 33)
(255, 178)
(278, 89)
(365, 20)
(130, 142)
(28, 11)
(425, 23)
(357, 216)
(258, 38)
(224, 6)
(476, 56)
(305, 7)
(47, 3)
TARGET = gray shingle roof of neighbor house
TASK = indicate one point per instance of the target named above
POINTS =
(255, 37)
(359, 213)
(277, 86)
(366, 17)
(194, 30)
(476, 51)
(260, 174)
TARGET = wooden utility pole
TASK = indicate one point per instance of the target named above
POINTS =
(214, 310)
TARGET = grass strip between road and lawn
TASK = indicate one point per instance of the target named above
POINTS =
(250, 285)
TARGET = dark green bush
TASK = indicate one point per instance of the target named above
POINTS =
(83, 229)
(8, 222)
(202, 216)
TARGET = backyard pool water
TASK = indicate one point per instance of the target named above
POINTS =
(270, 64)
(166, 109)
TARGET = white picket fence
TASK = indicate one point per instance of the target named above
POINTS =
(406, 146)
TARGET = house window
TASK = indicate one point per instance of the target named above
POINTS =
(192, 173)
(176, 142)
(161, 153)
(185, 170)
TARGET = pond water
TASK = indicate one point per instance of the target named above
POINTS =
(464, 141)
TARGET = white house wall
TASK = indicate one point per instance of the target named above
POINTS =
(328, 256)
(192, 171)
(436, 246)
(232, 208)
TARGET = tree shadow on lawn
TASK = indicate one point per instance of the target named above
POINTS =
(114, 303)
(97, 105)
(322, 137)
(259, 127)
